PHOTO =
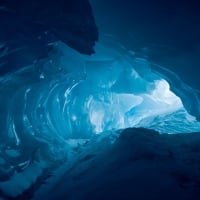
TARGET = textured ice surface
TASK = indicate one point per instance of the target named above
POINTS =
(141, 164)
(48, 108)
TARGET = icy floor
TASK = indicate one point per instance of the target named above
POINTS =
(141, 164)
(130, 164)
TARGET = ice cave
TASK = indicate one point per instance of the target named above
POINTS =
(91, 112)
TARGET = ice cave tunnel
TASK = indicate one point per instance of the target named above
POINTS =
(74, 98)
(59, 112)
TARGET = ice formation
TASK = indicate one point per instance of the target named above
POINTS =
(49, 107)
(70, 95)
(64, 111)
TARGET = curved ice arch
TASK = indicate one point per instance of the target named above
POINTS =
(190, 96)
(121, 91)
(73, 96)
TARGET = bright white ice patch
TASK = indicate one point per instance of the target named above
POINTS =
(113, 90)
(118, 111)
(163, 94)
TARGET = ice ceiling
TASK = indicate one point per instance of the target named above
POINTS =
(73, 96)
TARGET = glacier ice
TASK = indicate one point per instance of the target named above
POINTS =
(49, 107)
(70, 95)
(65, 116)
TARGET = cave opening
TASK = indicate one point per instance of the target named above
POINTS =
(73, 96)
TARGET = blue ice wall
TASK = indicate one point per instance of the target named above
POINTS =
(167, 32)
(53, 99)
(73, 96)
